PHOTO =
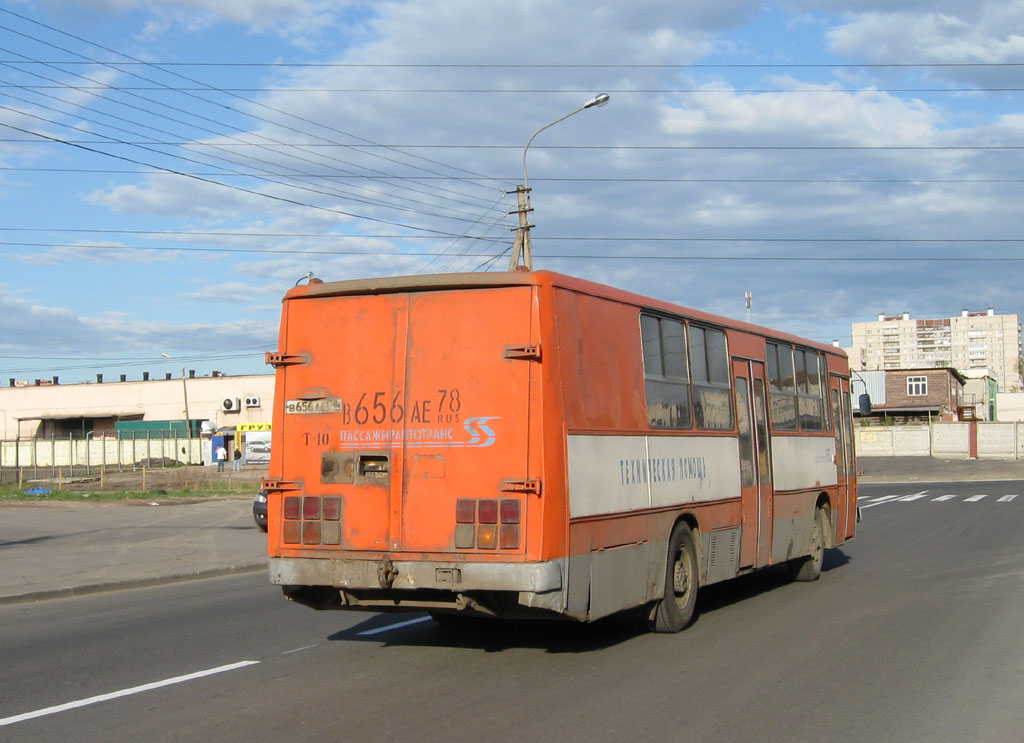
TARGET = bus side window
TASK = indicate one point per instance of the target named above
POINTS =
(782, 387)
(666, 377)
(709, 358)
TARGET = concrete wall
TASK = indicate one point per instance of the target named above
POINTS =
(942, 440)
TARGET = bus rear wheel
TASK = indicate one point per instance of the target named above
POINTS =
(674, 611)
(809, 568)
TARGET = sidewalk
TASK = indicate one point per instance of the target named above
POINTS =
(931, 469)
(56, 549)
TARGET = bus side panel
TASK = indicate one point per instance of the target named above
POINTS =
(804, 467)
(600, 363)
(616, 545)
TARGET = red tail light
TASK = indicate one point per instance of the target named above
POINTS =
(509, 511)
(311, 508)
(465, 511)
(477, 523)
(488, 511)
(312, 520)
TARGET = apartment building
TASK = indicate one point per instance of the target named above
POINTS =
(972, 341)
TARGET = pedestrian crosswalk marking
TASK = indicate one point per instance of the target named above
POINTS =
(915, 496)
(881, 500)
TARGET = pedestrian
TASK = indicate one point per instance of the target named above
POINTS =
(236, 465)
(222, 455)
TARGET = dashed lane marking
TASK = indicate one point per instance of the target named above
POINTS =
(124, 693)
(1007, 498)
(976, 498)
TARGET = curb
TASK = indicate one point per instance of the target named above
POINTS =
(70, 591)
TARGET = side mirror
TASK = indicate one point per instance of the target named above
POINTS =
(864, 403)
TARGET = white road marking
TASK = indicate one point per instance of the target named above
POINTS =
(1007, 498)
(890, 498)
(124, 693)
(390, 627)
(945, 497)
(976, 498)
(296, 650)
(915, 496)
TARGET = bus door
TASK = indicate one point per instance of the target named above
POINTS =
(466, 395)
(755, 463)
(842, 421)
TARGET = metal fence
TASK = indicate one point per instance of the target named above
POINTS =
(74, 456)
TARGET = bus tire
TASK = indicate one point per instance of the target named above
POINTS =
(674, 611)
(808, 568)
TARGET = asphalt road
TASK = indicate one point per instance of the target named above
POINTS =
(915, 632)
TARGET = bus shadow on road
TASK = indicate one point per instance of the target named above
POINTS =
(495, 635)
(557, 636)
(747, 587)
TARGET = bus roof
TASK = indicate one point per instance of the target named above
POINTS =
(447, 281)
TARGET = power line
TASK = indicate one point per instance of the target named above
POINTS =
(561, 66)
(537, 91)
(221, 146)
(600, 256)
(548, 179)
(635, 147)
(251, 101)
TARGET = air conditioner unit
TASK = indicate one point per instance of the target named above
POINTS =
(230, 404)
(252, 401)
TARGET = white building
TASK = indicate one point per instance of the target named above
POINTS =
(94, 410)
(972, 341)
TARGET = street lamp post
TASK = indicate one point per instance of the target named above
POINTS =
(188, 422)
(522, 247)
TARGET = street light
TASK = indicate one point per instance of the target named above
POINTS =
(522, 245)
(188, 423)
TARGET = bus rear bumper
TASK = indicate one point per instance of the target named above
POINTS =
(413, 583)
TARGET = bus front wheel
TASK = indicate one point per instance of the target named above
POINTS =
(674, 611)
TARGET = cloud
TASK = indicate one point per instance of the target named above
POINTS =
(987, 32)
(298, 21)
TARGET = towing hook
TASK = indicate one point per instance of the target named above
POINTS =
(386, 572)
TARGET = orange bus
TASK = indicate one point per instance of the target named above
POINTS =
(528, 443)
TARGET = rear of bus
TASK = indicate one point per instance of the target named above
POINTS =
(406, 465)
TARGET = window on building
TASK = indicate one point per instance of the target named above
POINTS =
(917, 386)
(666, 377)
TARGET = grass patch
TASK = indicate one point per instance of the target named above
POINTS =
(32, 492)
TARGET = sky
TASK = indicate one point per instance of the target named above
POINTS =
(169, 170)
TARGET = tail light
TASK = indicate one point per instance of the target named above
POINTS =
(487, 523)
(312, 519)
